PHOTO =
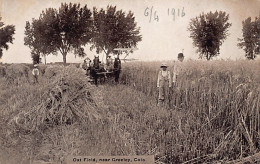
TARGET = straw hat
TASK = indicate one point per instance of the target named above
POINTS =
(163, 65)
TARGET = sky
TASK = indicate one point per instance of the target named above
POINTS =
(162, 38)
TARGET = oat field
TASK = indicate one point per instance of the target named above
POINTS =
(212, 116)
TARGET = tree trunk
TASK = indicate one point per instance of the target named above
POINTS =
(208, 57)
(45, 59)
(64, 58)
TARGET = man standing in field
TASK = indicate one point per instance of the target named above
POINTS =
(95, 70)
(89, 67)
(177, 68)
(117, 68)
(163, 83)
(83, 65)
(35, 73)
(109, 63)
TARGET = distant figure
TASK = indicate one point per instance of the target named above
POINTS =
(163, 83)
(109, 63)
(95, 69)
(117, 68)
(84, 66)
(35, 73)
(89, 66)
(177, 68)
(96, 62)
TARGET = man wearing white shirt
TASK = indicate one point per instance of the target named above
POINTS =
(110, 64)
(35, 73)
(177, 68)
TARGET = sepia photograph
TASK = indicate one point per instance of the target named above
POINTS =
(129, 81)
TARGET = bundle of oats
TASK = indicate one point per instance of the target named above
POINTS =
(67, 99)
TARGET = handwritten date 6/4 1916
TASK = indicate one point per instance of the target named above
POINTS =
(153, 15)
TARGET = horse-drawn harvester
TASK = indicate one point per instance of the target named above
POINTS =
(112, 68)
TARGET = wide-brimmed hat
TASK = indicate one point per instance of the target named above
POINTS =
(163, 65)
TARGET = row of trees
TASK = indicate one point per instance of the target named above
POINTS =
(208, 32)
(71, 27)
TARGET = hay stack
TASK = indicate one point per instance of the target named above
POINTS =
(69, 98)
(66, 100)
(37, 117)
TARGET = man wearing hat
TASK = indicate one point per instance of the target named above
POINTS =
(35, 73)
(177, 68)
(164, 82)
(109, 63)
(117, 68)
(85, 66)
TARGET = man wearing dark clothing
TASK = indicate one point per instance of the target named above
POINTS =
(117, 68)
(96, 69)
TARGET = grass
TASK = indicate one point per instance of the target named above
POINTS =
(219, 102)
(212, 116)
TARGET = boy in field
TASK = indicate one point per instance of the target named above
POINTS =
(163, 83)
(35, 73)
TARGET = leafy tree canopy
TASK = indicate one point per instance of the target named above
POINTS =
(6, 36)
(67, 29)
(208, 32)
(251, 38)
(114, 29)
(35, 57)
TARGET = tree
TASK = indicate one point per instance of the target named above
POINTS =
(208, 32)
(114, 29)
(6, 36)
(65, 30)
(36, 57)
(34, 39)
(251, 38)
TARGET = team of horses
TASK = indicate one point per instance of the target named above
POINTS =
(98, 72)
